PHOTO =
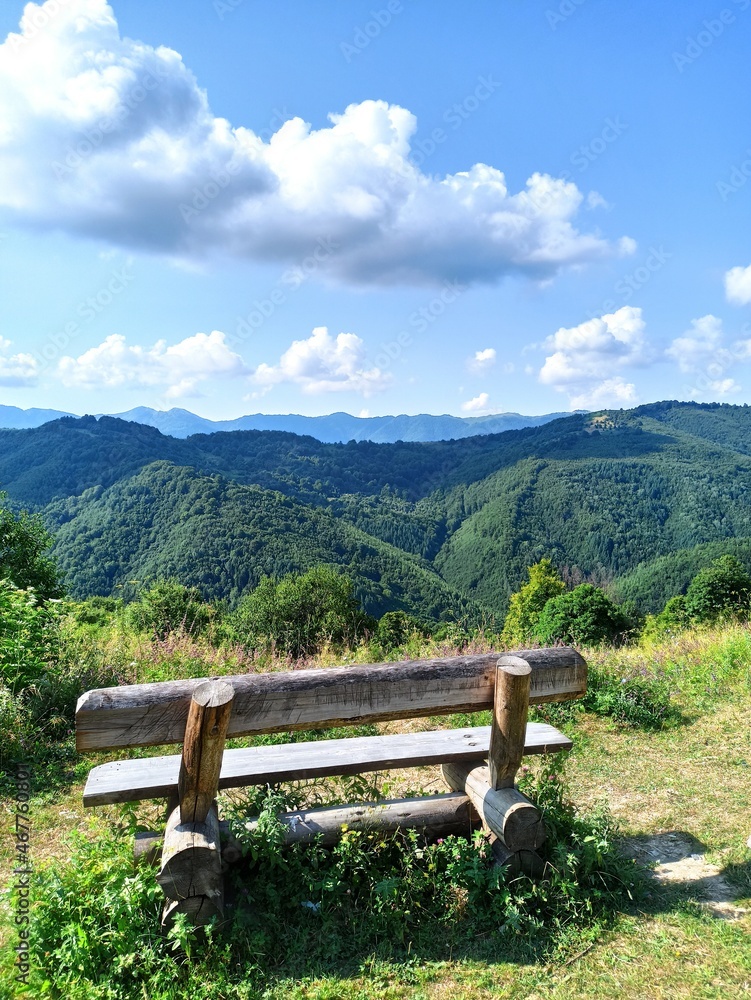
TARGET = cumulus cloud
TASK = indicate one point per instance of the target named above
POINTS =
(702, 352)
(480, 402)
(697, 346)
(179, 369)
(17, 370)
(612, 393)
(738, 285)
(323, 363)
(111, 138)
(482, 360)
(584, 359)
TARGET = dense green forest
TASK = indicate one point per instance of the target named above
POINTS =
(637, 501)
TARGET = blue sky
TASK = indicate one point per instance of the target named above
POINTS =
(401, 206)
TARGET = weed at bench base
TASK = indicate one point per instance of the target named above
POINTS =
(305, 912)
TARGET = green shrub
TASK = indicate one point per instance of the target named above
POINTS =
(395, 628)
(29, 636)
(301, 613)
(585, 616)
(169, 607)
(719, 591)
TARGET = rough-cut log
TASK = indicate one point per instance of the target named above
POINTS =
(156, 777)
(509, 726)
(433, 815)
(517, 862)
(153, 714)
(505, 811)
(200, 910)
(191, 858)
(147, 847)
(203, 746)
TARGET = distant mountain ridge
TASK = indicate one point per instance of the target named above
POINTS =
(636, 500)
(331, 429)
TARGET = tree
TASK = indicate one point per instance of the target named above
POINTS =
(23, 545)
(720, 590)
(301, 612)
(526, 604)
(585, 616)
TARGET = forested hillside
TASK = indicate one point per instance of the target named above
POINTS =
(637, 500)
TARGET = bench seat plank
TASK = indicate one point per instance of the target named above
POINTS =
(156, 777)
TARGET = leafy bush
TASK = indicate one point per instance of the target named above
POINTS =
(301, 613)
(170, 607)
(29, 633)
(527, 604)
(585, 616)
(395, 628)
(720, 590)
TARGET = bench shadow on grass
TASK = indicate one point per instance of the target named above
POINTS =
(678, 873)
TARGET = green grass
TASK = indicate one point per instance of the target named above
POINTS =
(669, 750)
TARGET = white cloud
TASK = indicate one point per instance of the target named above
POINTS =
(111, 138)
(701, 353)
(612, 393)
(178, 369)
(480, 402)
(738, 285)
(323, 363)
(696, 348)
(482, 360)
(585, 358)
(17, 370)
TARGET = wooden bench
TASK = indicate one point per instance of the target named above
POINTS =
(479, 764)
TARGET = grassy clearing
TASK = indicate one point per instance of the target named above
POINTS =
(389, 926)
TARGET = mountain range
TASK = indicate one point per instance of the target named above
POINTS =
(334, 427)
(634, 500)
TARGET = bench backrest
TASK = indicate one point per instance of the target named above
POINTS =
(154, 714)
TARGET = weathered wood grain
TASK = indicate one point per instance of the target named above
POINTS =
(156, 777)
(505, 811)
(155, 714)
(200, 910)
(433, 815)
(191, 858)
(203, 746)
(509, 726)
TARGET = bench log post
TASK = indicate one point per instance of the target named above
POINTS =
(509, 726)
(191, 864)
(505, 812)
